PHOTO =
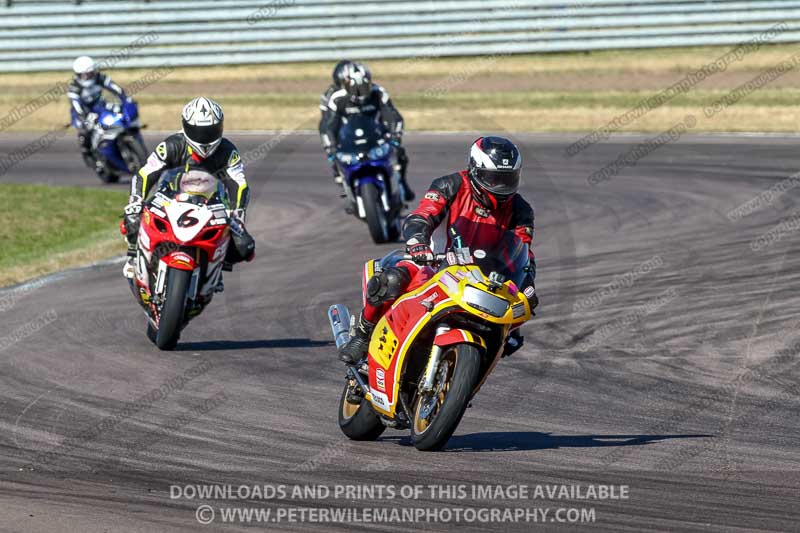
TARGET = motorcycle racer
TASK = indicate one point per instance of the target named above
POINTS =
(359, 95)
(337, 84)
(199, 145)
(84, 93)
(475, 202)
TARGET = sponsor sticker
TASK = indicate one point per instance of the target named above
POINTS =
(481, 212)
(234, 159)
(427, 303)
(380, 377)
(432, 196)
(529, 291)
(380, 400)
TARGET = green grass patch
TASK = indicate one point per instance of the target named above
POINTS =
(50, 228)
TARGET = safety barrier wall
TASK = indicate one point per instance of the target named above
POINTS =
(37, 35)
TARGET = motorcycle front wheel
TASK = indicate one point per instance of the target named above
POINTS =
(172, 312)
(358, 420)
(438, 412)
(376, 216)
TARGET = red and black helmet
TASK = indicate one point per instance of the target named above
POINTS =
(495, 165)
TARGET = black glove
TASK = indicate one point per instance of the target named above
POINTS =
(513, 343)
(533, 301)
(419, 250)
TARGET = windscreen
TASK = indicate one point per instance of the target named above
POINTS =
(359, 133)
(507, 256)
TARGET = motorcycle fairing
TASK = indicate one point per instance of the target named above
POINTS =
(442, 294)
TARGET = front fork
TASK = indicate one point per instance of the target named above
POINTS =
(433, 362)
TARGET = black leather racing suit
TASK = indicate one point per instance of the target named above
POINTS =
(325, 112)
(224, 163)
(377, 103)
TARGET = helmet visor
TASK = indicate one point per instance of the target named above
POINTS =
(203, 134)
(499, 182)
(360, 91)
(85, 76)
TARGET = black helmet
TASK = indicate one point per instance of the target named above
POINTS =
(339, 72)
(495, 165)
(358, 83)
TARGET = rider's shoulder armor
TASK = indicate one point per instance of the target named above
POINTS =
(326, 97)
(74, 87)
(173, 150)
(448, 186)
(379, 94)
(523, 211)
(223, 157)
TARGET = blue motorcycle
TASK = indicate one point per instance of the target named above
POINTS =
(368, 163)
(116, 139)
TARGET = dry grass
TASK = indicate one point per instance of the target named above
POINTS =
(550, 92)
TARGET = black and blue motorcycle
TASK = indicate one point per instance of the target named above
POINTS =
(371, 179)
(116, 139)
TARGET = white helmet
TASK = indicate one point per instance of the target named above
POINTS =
(202, 125)
(85, 70)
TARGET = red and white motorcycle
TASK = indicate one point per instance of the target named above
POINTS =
(183, 238)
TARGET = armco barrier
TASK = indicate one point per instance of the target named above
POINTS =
(47, 35)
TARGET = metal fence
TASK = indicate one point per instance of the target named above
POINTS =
(46, 35)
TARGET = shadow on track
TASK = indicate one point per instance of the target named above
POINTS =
(518, 441)
(210, 346)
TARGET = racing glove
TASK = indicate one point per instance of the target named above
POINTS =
(134, 206)
(130, 222)
(419, 250)
(90, 121)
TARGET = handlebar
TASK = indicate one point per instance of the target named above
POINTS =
(438, 258)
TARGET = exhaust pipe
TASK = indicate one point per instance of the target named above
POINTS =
(339, 317)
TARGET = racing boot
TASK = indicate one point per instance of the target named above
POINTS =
(130, 227)
(356, 348)
(406, 192)
(129, 269)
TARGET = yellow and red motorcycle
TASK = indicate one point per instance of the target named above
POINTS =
(433, 350)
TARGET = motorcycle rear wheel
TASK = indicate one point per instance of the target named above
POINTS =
(358, 421)
(172, 312)
(438, 413)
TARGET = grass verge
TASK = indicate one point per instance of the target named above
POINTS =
(53, 228)
(544, 92)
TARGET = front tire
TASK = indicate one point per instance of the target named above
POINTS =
(358, 421)
(172, 312)
(437, 414)
(376, 216)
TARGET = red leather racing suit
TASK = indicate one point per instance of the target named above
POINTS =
(449, 198)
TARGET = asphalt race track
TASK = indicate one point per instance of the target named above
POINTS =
(679, 379)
